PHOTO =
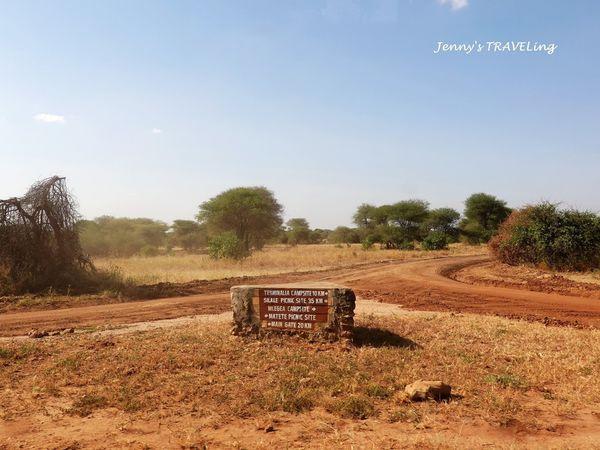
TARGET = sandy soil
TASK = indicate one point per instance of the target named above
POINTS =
(387, 290)
(50, 427)
(419, 285)
(111, 428)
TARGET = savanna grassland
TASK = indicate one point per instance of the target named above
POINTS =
(182, 267)
(514, 384)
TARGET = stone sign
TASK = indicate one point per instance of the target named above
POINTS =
(321, 310)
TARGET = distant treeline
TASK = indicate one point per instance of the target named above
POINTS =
(44, 246)
(402, 224)
(120, 236)
(242, 219)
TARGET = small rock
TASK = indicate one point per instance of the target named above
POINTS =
(37, 334)
(423, 390)
(68, 331)
(266, 424)
(54, 333)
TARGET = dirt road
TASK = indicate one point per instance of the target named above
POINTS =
(417, 284)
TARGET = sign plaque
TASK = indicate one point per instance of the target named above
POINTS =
(316, 310)
(294, 309)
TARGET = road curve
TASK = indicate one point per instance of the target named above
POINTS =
(424, 284)
(415, 284)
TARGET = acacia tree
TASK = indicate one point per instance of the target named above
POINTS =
(443, 220)
(483, 215)
(344, 235)
(253, 214)
(298, 231)
(366, 216)
(188, 234)
(394, 226)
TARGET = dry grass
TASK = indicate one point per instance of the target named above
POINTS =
(588, 277)
(274, 259)
(505, 373)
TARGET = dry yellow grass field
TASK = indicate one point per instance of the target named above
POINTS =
(273, 259)
(516, 384)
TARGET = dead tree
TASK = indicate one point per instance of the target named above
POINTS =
(39, 243)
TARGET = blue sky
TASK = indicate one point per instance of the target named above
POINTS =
(149, 108)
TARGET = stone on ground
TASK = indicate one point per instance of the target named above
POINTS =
(423, 390)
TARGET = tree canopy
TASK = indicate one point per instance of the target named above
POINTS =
(344, 235)
(444, 220)
(483, 215)
(121, 236)
(298, 231)
(187, 234)
(401, 224)
(253, 214)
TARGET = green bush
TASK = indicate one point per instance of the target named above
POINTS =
(548, 237)
(435, 240)
(368, 242)
(227, 245)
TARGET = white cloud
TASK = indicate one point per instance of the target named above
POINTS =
(455, 4)
(156, 131)
(49, 118)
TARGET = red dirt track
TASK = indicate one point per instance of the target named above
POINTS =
(417, 284)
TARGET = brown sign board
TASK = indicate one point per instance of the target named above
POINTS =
(294, 308)
(319, 310)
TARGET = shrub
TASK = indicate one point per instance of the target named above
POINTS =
(367, 243)
(545, 236)
(227, 245)
(435, 240)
